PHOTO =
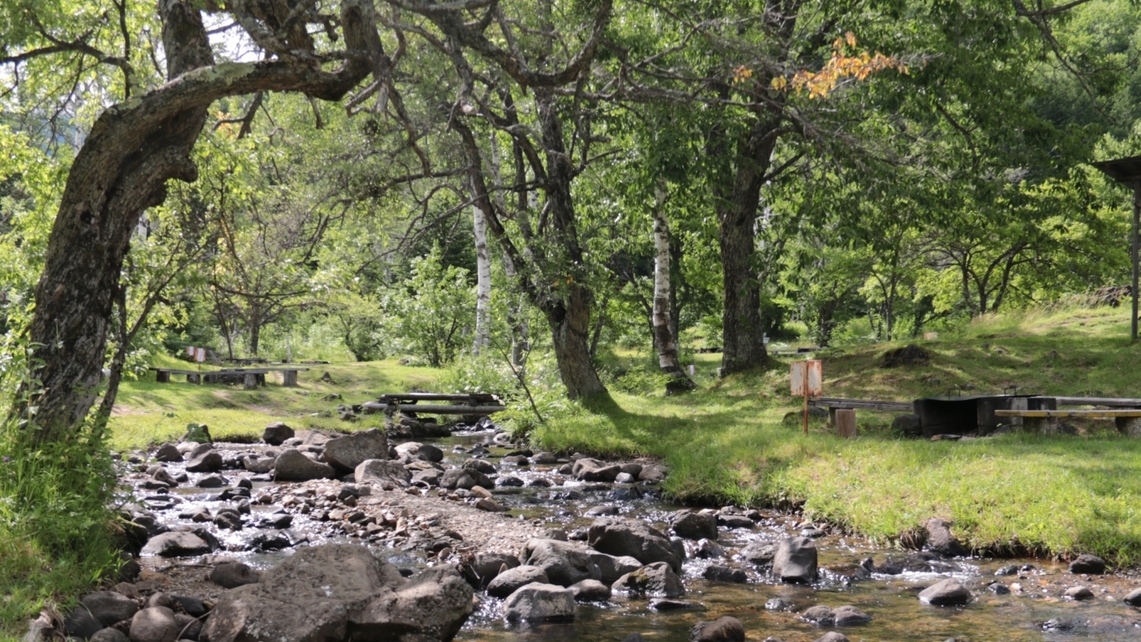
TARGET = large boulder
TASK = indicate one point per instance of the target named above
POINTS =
(688, 524)
(346, 453)
(486, 566)
(652, 580)
(292, 465)
(539, 602)
(382, 472)
(617, 536)
(795, 560)
(414, 450)
(276, 433)
(514, 579)
(209, 461)
(612, 567)
(154, 624)
(946, 593)
(341, 592)
(1088, 565)
(467, 478)
(565, 563)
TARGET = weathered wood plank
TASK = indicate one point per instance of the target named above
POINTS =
(861, 404)
(430, 409)
(1040, 414)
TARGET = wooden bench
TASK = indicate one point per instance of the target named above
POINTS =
(1127, 420)
(842, 412)
(250, 377)
(408, 403)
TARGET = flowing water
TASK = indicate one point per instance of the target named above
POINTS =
(1033, 610)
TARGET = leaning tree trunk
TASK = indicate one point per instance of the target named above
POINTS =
(664, 338)
(133, 149)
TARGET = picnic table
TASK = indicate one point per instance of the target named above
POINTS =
(408, 403)
(250, 377)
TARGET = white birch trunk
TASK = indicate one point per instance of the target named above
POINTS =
(483, 282)
(664, 338)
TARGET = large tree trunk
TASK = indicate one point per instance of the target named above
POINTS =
(133, 149)
(742, 331)
(664, 338)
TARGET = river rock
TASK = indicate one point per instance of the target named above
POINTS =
(759, 553)
(723, 629)
(653, 580)
(338, 592)
(291, 465)
(81, 623)
(735, 521)
(487, 566)
(513, 579)
(590, 591)
(832, 636)
(946, 593)
(109, 607)
(176, 544)
(465, 478)
(652, 474)
(1078, 593)
(416, 450)
(233, 574)
(1134, 598)
(593, 470)
(706, 549)
(617, 536)
(612, 567)
(940, 540)
(206, 462)
(168, 453)
(382, 472)
(820, 615)
(688, 524)
(109, 635)
(539, 602)
(276, 433)
(154, 624)
(1088, 565)
(795, 560)
(715, 573)
(346, 453)
(565, 563)
(849, 616)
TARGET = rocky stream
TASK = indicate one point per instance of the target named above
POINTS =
(307, 536)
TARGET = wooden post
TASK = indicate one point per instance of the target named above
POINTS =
(289, 378)
(806, 398)
(250, 381)
(846, 422)
(162, 376)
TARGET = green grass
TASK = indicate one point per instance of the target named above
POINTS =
(1057, 495)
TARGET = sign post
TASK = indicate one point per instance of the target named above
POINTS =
(807, 379)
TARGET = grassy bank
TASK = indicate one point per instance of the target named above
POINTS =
(728, 443)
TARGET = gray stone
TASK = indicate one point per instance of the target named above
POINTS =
(612, 567)
(189, 627)
(207, 462)
(487, 566)
(946, 593)
(820, 615)
(466, 478)
(593, 470)
(513, 579)
(109, 607)
(1078, 593)
(832, 636)
(540, 602)
(154, 624)
(694, 525)
(81, 623)
(291, 465)
(233, 574)
(850, 616)
(707, 549)
(1134, 598)
(716, 573)
(759, 553)
(723, 629)
(168, 453)
(276, 433)
(382, 472)
(110, 635)
(795, 560)
(664, 604)
(346, 453)
(565, 563)
(940, 540)
(590, 591)
(341, 592)
(616, 536)
(176, 544)
(417, 450)
(1088, 565)
(652, 580)
(735, 521)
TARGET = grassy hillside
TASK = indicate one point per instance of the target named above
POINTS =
(728, 443)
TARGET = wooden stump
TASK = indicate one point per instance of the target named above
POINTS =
(250, 381)
(846, 422)
(289, 378)
(162, 376)
(1129, 426)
